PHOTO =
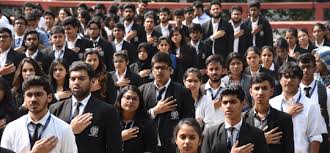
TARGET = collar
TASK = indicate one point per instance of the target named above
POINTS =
(63, 48)
(256, 116)
(237, 126)
(195, 45)
(307, 47)
(202, 16)
(124, 74)
(83, 102)
(293, 99)
(42, 121)
(34, 55)
(256, 20)
(319, 45)
(208, 86)
(233, 24)
(6, 52)
(97, 39)
(164, 27)
(302, 86)
(128, 25)
(166, 85)
(212, 19)
(78, 37)
(119, 43)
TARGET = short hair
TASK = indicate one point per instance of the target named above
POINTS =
(29, 4)
(20, 17)
(198, 4)
(321, 26)
(261, 77)
(214, 59)
(281, 43)
(165, 9)
(70, 20)
(188, 10)
(306, 58)
(254, 3)
(195, 28)
(94, 21)
(215, 2)
(235, 55)
(100, 6)
(49, 13)
(291, 68)
(233, 90)
(29, 32)
(121, 54)
(192, 122)
(194, 71)
(80, 65)
(119, 26)
(130, 6)
(237, 8)
(160, 57)
(83, 6)
(57, 29)
(6, 30)
(37, 81)
(179, 12)
(253, 49)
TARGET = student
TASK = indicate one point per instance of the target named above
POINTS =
(200, 15)
(120, 43)
(178, 18)
(59, 79)
(277, 125)
(20, 26)
(143, 65)
(254, 61)
(319, 35)
(282, 52)
(166, 101)
(234, 134)
(291, 36)
(164, 27)
(304, 42)
(188, 136)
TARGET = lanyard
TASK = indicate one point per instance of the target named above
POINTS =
(216, 93)
(43, 129)
(296, 102)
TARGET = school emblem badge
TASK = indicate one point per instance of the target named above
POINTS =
(94, 131)
(174, 115)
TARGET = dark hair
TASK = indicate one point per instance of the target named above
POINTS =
(253, 49)
(306, 58)
(195, 28)
(215, 2)
(163, 38)
(84, 14)
(165, 9)
(293, 31)
(18, 78)
(101, 68)
(121, 54)
(83, 6)
(281, 43)
(37, 81)
(198, 4)
(183, 37)
(321, 26)
(214, 59)
(80, 65)
(160, 57)
(254, 3)
(56, 30)
(270, 48)
(70, 20)
(179, 12)
(233, 90)
(31, 17)
(261, 77)
(7, 103)
(20, 17)
(130, 6)
(100, 6)
(67, 11)
(143, 45)
(188, 10)
(237, 8)
(119, 26)
(51, 71)
(6, 30)
(94, 21)
(302, 30)
(141, 112)
(110, 17)
(49, 13)
(291, 68)
(234, 55)
(192, 122)
(29, 32)
(29, 4)
(194, 71)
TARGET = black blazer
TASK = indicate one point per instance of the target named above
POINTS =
(188, 58)
(224, 45)
(281, 120)
(166, 122)
(265, 36)
(69, 56)
(108, 51)
(215, 140)
(140, 36)
(111, 93)
(15, 58)
(82, 44)
(131, 52)
(103, 135)
(158, 29)
(202, 54)
(245, 41)
(133, 77)
(42, 59)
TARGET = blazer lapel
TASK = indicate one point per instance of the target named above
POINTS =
(250, 119)
(222, 140)
(89, 107)
(66, 111)
(271, 119)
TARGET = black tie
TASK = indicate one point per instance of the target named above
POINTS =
(76, 110)
(160, 93)
(307, 89)
(35, 136)
(95, 44)
(231, 140)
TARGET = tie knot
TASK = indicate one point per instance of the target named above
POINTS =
(78, 104)
(36, 125)
(231, 129)
(307, 88)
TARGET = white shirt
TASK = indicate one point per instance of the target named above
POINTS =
(319, 45)
(82, 106)
(236, 40)
(59, 54)
(165, 30)
(33, 56)
(195, 45)
(254, 25)
(16, 136)
(18, 41)
(235, 132)
(307, 125)
(201, 19)
(3, 57)
(119, 45)
(128, 27)
(315, 96)
(72, 44)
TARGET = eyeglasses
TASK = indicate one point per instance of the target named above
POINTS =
(36, 94)
(133, 98)
(161, 68)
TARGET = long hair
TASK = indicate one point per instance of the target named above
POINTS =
(51, 70)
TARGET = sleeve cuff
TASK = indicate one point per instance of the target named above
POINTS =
(317, 138)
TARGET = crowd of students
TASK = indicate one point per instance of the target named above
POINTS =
(126, 80)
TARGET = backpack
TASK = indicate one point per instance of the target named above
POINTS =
(322, 93)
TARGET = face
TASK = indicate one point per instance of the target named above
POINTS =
(232, 107)
(120, 63)
(163, 46)
(118, 33)
(308, 70)
(37, 99)
(27, 71)
(253, 59)
(215, 11)
(129, 14)
(254, 12)
(28, 10)
(58, 39)
(187, 139)
(93, 60)
(163, 17)
(189, 16)
(149, 23)
(290, 38)
(261, 93)
(161, 72)
(302, 38)
(198, 11)
(281, 53)
(80, 84)
(130, 102)
(32, 42)
(289, 83)
(176, 37)
(49, 20)
(267, 57)
(19, 26)
(318, 33)
(62, 15)
(236, 16)
(81, 19)
(178, 19)
(213, 71)
(195, 35)
(93, 31)
(70, 31)
(59, 72)
(142, 6)
(5, 41)
(142, 54)
(32, 24)
(192, 82)
(236, 67)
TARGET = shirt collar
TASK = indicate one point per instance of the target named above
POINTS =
(319, 45)
(256, 20)
(124, 74)
(6, 52)
(302, 86)
(63, 48)
(34, 55)
(83, 102)
(97, 39)
(119, 43)
(255, 113)
(42, 121)
(164, 27)
(208, 86)
(293, 99)
(237, 126)
(78, 37)
(128, 25)
(166, 85)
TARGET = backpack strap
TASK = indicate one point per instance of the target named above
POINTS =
(322, 92)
